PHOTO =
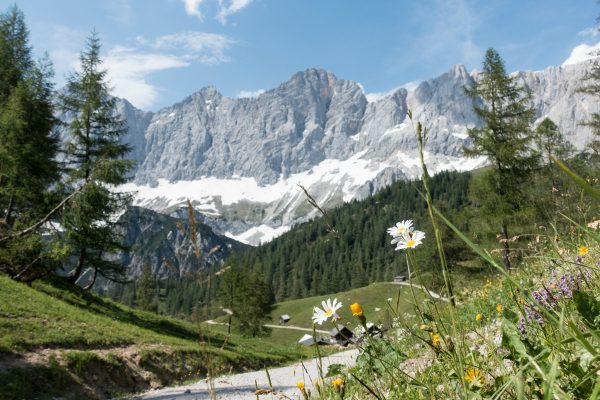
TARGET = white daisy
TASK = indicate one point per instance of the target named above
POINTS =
(401, 228)
(411, 241)
(329, 309)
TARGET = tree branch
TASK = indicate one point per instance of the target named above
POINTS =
(41, 222)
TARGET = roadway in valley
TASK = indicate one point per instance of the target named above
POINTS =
(244, 386)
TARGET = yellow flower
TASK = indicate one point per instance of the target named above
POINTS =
(583, 250)
(499, 308)
(479, 317)
(435, 340)
(521, 300)
(337, 383)
(300, 385)
(356, 309)
(474, 375)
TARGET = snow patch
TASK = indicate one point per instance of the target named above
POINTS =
(354, 172)
(258, 234)
(581, 53)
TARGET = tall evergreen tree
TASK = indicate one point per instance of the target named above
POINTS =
(249, 297)
(592, 87)
(551, 143)
(147, 295)
(95, 155)
(27, 146)
(505, 139)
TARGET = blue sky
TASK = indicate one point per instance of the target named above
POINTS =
(160, 51)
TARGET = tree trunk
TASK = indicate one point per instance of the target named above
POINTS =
(88, 287)
(79, 269)
(505, 246)
(9, 209)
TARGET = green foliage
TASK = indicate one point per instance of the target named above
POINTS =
(309, 261)
(147, 296)
(27, 148)
(80, 361)
(95, 158)
(592, 87)
(505, 139)
(250, 299)
(38, 382)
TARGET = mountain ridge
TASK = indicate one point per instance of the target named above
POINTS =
(319, 131)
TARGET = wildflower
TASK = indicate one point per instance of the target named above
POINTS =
(435, 340)
(411, 241)
(479, 317)
(521, 326)
(356, 309)
(300, 385)
(329, 309)
(389, 299)
(499, 308)
(583, 250)
(401, 228)
(337, 383)
(473, 375)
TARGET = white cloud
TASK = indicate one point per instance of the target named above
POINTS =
(208, 48)
(128, 70)
(582, 53)
(226, 8)
(250, 93)
(589, 32)
(192, 8)
(230, 7)
(129, 67)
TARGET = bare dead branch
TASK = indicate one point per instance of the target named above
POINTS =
(41, 222)
(313, 203)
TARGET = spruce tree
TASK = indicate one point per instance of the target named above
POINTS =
(505, 139)
(147, 296)
(27, 148)
(592, 87)
(95, 156)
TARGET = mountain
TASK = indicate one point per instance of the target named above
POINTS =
(164, 243)
(240, 161)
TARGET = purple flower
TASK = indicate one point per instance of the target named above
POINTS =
(521, 326)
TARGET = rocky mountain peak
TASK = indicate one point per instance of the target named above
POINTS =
(240, 160)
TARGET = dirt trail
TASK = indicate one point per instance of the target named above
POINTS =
(423, 288)
(243, 386)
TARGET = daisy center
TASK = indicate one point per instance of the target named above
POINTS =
(411, 243)
(328, 313)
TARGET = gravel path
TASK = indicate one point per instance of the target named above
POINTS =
(423, 288)
(243, 386)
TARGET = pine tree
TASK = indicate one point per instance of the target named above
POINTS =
(505, 140)
(147, 296)
(95, 155)
(27, 147)
(551, 143)
(250, 299)
(592, 87)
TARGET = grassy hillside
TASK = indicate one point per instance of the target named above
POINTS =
(72, 343)
(373, 298)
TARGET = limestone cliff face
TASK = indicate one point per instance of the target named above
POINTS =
(241, 159)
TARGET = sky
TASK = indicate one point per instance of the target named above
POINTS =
(157, 52)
